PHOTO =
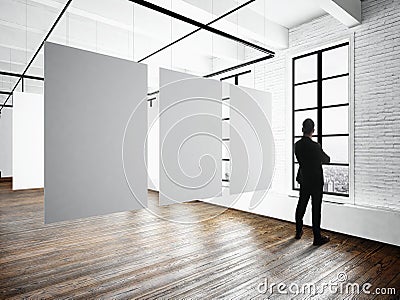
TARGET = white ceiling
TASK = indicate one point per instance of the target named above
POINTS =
(287, 13)
(106, 26)
(291, 13)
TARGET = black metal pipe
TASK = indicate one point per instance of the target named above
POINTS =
(239, 66)
(198, 29)
(21, 75)
(200, 25)
(38, 50)
(237, 74)
(153, 93)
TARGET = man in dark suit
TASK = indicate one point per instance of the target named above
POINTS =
(310, 156)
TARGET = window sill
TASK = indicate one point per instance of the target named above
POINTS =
(326, 198)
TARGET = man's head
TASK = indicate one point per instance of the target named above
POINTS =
(308, 127)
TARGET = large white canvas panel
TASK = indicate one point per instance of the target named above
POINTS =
(28, 141)
(95, 130)
(251, 140)
(190, 137)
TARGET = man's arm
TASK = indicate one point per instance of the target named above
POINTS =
(299, 176)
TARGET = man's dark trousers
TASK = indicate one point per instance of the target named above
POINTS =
(316, 202)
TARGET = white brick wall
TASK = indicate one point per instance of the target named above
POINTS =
(376, 98)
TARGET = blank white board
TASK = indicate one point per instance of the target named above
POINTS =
(28, 141)
(251, 140)
(95, 129)
(190, 137)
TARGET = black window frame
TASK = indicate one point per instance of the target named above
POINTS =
(319, 109)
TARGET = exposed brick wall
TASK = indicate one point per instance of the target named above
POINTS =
(377, 105)
(376, 97)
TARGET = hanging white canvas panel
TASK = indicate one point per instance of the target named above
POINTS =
(190, 137)
(95, 134)
(251, 140)
(28, 141)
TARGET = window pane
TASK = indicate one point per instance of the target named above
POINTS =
(335, 91)
(225, 89)
(336, 179)
(305, 96)
(300, 116)
(335, 61)
(225, 129)
(225, 189)
(225, 109)
(225, 149)
(305, 69)
(337, 148)
(335, 120)
(296, 168)
(226, 170)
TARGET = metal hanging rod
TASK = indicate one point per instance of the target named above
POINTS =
(38, 50)
(21, 75)
(201, 25)
(229, 69)
(160, 9)
(153, 93)
(254, 61)
(197, 30)
(235, 75)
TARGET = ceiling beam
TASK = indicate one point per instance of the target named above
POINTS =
(348, 12)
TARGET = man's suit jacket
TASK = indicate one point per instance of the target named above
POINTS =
(310, 156)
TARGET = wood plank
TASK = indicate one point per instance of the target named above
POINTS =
(353, 269)
(210, 252)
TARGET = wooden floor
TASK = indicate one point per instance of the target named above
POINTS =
(138, 255)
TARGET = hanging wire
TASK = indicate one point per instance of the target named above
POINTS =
(171, 35)
(26, 39)
(133, 32)
(212, 38)
(265, 42)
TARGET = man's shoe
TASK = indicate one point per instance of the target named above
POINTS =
(322, 240)
(298, 235)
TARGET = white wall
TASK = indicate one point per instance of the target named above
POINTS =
(6, 142)
(374, 211)
(376, 89)
(370, 223)
(28, 141)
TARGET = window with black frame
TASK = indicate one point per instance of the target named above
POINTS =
(320, 91)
